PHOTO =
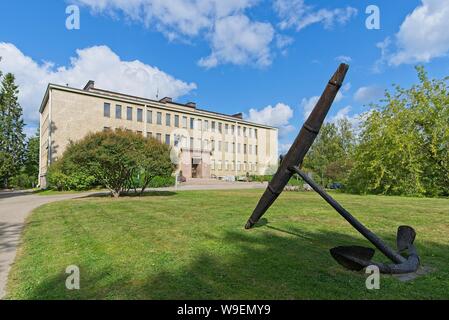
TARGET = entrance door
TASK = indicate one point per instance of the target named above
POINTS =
(194, 170)
(196, 167)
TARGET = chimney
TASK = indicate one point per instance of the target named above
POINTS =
(89, 85)
(238, 115)
(166, 100)
(191, 104)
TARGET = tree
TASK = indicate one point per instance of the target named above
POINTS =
(330, 156)
(31, 162)
(404, 144)
(154, 162)
(12, 138)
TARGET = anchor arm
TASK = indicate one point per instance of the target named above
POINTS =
(368, 234)
(300, 146)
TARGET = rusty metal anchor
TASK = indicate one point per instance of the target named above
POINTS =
(351, 257)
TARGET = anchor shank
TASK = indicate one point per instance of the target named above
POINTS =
(370, 236)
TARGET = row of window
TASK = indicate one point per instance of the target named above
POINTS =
(212, 145)
(233, 166)
(180, 121)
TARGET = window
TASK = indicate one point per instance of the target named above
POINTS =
(219, 165)
(250, 132)
(176, 121)
(220, 127)
(245, 151)
(206, 125)
(167, 139)
(244, 132)
(118, 111)
(159, 137)
(191, 143)
(226, 147)
(106, 129)
(199, 124)
(239, 148)
(159, 118)
(184, 122)
(149, 134)
(239, 130)
(255, 133)
(140, 133)
(227, 165)
(129, 113)
(212, 164)
(199, 144)
(212, 142)
(107, 110)
(192, 123)
(233, 130)
(233, 147)
(149, 116)
(226, 128)
(167, 119)
(213, 126)
(250, 149)
(206, 144)
(219, 145)
(238, 166)
(140, 115)
(176, 140)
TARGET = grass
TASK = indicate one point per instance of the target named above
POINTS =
(192, 245)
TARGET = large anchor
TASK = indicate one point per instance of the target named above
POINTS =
(405, 259)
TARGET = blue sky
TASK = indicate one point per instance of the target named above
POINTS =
(268, 59)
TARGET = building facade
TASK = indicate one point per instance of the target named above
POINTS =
(204, 143)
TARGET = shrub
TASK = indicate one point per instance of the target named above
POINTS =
(119, 160)
(65, 176)
(162, 182)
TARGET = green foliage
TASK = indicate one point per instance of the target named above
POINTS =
(404, 144)
(155, 162)
(65, 175)
(119, 160)
(330, 157)
(12, 138)
(162, 182)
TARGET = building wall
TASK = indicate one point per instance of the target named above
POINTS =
(75, 114)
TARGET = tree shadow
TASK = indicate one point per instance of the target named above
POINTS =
(9, 239)
(265, 263)
(15, 194)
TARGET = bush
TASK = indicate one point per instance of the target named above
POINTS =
(23, 181)
(63, 176)
(119, 160)
(162, 182)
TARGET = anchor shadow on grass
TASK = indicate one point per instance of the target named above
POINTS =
(266, 263)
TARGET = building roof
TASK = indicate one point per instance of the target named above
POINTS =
(90, 89)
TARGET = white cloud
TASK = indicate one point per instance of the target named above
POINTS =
(284, 147)
(277, 116)
(369, 94)
(307, 104)
(297, 14)
(238, 40)
(422, 36)
(175, 17)
(95, 63)
(355, 120)
(343, 59)
(233, 37)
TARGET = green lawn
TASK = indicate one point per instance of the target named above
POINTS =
(192, 245)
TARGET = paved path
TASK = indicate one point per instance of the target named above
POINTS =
(15, 207)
